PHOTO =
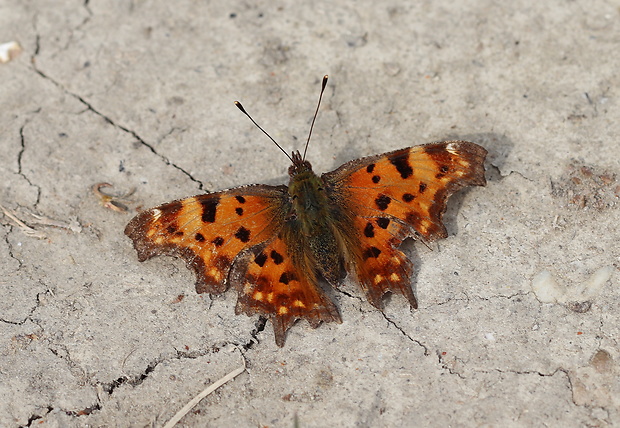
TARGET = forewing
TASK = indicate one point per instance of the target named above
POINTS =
(405, 191)
(411, 184)
(209, 231)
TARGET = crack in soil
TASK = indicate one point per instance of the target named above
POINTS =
(444, 365)
(20, 265)
(20, 155)
(92, 109)
(34, 417)
(29, 316)
(486, 299)
(404, 333)
(133, 380)
(136, 380)
(259, 326)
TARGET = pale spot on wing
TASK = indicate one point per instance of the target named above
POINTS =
(270, 297)
(394, 277)
(378, 278)
(156, 214)
(159, 239)
(395, 260)
(424, 224)
(258, 296)
(299, 304)
(247, 288)
(216, 274)
(451, 148)
(282, 310)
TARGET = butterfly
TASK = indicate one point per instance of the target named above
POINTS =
(278, 246)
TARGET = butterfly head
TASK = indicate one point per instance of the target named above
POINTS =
(299, 165)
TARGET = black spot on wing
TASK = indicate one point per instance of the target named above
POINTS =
(369, 230)
(422, 187)
(260, 259)
(243, 234)
(276, 257)
(284, 278)
(376, 179)
(382, 202)
(239, 211)
(443, 171)
(217, 241)
(383, 222)
(371, 252)
(408, 197)
(401, 162)
(240, 199)
(370, 168)
(209, 208)
(199, 237)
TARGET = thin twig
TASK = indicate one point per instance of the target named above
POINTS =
(27, 230)
(181, 413)
(112, 201)
(74, 226)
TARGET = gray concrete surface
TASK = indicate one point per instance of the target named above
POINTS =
(518, 318)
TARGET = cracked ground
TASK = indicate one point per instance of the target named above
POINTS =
(518, 308)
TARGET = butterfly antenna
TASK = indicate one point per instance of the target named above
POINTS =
(315, 114)
(240, 107)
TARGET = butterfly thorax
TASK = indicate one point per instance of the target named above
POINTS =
(309, 203)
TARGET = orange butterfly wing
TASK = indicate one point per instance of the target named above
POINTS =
(398, 195)
(242, 229)
(209, 231)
